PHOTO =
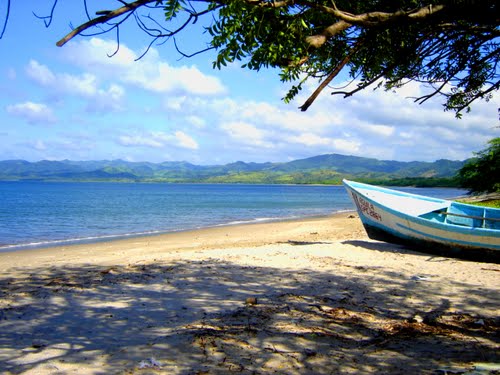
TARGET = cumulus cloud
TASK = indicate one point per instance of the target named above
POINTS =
(378, 124)
(149, 73)
(107, 100)
(325, 144)
(85, 85)
(196, 121)
(177, 139)
(389, 125)
(33, 113)
(139, 140)
(246, 134)
(40, 73)
(39, 145)
(206, 123)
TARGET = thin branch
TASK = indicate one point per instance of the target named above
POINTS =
(117, 41)
(424, 98)
(86, 9)
(328, 79)
(193, 54)
(147, 49)
(103, 19)
(360, 87)
(481, 94)
(7, 14)
(148, 30)
(50, 17)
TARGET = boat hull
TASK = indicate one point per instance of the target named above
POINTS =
(478, 254)
(386, 224)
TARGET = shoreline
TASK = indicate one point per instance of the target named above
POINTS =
(308, 296)
(246, 234)
(121, 237)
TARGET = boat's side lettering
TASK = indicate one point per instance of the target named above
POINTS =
(366, 207)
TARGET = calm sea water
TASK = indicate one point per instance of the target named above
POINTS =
(35, 214)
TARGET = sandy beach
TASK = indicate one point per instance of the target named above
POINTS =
(312, 296)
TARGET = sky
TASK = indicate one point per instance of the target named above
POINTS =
(75, 102)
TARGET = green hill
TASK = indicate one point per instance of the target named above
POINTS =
(320, 169)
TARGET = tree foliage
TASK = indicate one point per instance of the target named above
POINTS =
(482, 173)
(451, 45)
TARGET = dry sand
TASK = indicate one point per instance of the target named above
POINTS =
(312, 296)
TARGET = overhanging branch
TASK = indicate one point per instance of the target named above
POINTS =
(103, 19)
(330, 77)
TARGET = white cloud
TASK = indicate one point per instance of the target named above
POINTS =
(379, 130)
(161, 77)
(85, 85)
(150, 72)
(246, 134)
(196, 121)
(389, 125)
(310, 139)
(325, 145)
(185, 140)
(175, 103)
(138, 140)
(94, 52)
(34, 113)
(206, 124)
(109, 100)
(177, 139)
(40, 73)
(39, 145)
(377, 124)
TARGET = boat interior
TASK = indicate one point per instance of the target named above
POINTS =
(467, 216)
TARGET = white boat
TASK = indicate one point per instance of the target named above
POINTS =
(428, 224)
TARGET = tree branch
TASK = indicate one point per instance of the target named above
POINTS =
(49, 17)
(103, 19)
(328, 79)
(369, 19)
(320, 39)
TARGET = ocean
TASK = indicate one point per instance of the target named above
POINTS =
(40, 214)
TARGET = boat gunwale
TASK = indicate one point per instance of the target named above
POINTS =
(360, 185)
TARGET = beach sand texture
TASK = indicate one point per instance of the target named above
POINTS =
(312, 296)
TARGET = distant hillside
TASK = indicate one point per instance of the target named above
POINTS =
(318, 169)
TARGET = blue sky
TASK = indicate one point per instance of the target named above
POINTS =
(76, 103)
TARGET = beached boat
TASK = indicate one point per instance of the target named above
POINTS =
(428, 224)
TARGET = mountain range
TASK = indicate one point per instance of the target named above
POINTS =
(329, 168)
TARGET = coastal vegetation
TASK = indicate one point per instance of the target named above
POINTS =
(481, 174)
(494, 203)
(322, 169)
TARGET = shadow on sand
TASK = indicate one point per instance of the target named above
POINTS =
(394, 248)
(190, 317)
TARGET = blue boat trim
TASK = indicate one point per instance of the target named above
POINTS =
(446, 240)
(432, 247)
(394, 192)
